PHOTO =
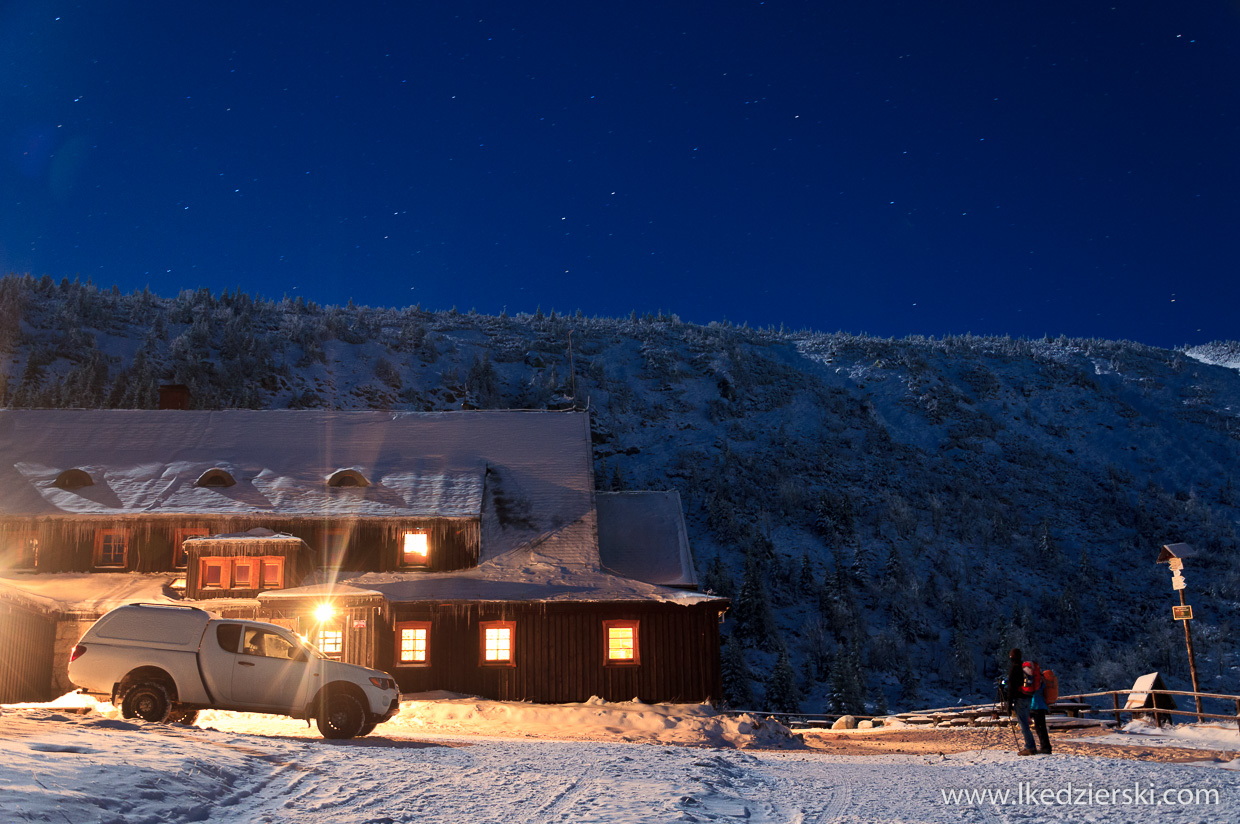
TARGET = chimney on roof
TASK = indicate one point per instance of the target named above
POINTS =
(174, 396)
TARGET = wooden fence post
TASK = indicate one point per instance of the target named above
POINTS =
(1115, 703)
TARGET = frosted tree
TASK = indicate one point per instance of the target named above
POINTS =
(755, 624)
(737, 679)
(782, 694)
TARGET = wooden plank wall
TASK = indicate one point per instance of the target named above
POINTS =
(68, 545)
(27, 640)
(560, 652)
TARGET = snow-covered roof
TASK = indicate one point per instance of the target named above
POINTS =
(524, 575)
(642, 535)
(94, 593)
(527, 475)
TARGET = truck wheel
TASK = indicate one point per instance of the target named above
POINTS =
(341, 716)
(186, 717)
(147, 700)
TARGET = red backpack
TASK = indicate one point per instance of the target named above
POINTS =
(1050, 686)
(1033, 681)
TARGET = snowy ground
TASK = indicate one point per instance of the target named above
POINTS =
(463, 760)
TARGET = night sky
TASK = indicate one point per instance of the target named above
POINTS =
(1022, 168)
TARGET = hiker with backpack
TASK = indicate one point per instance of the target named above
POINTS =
(1027, 695)
(1036, 680)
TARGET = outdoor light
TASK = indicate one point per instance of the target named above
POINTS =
(323, 613)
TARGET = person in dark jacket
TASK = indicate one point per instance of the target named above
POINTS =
(1018, 700)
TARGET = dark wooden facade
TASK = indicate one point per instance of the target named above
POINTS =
(559, 651)
(27, 639)
(70, 544)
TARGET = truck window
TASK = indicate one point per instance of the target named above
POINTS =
(228, 636)
(267, 644)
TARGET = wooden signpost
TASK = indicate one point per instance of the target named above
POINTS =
(1173, 556)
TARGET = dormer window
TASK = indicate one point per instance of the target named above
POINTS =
(215, 479)
(415, 549)
(73, 479)
(347, 478)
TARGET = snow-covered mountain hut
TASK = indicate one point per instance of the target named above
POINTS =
(458, 550)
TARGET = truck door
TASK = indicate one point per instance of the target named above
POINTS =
(217, 659)
(273, 673)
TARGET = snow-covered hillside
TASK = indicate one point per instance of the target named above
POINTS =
(889, 515)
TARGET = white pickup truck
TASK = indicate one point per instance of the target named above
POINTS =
(165, 662)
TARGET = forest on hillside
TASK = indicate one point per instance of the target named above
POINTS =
(888, 515)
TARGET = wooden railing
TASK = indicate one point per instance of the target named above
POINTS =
(1075, 704)
(1117, 708)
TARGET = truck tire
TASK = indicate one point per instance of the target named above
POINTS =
(341, 716)
(368, 727)
(180, 716)
(147, 700)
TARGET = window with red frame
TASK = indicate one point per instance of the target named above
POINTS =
(241, 573)
(413, 644)
(621, 646)
(496, 643)
(111, 547)
(272, 573)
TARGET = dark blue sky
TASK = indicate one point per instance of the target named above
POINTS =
(893, 168)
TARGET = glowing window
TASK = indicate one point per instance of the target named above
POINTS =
(497, 637)
(331, 642)
(415, 549)
(413, 643)
(621, 640)
(111, 547)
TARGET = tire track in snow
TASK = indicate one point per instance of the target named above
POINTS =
(562, 799)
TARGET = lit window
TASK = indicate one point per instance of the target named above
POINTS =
(497, 642)
(111, 547)
(621, 639)
(413, 643)
(415, 549)
(179, 559)
(273, 573)
(331, 642)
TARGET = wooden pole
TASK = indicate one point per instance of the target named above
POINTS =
(1192, 660)
(1115, 703)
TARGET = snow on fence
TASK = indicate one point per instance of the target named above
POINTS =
(1076, 706)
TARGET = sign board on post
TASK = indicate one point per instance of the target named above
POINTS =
(1184, 613)
(1176, 564)
(1178, 583)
